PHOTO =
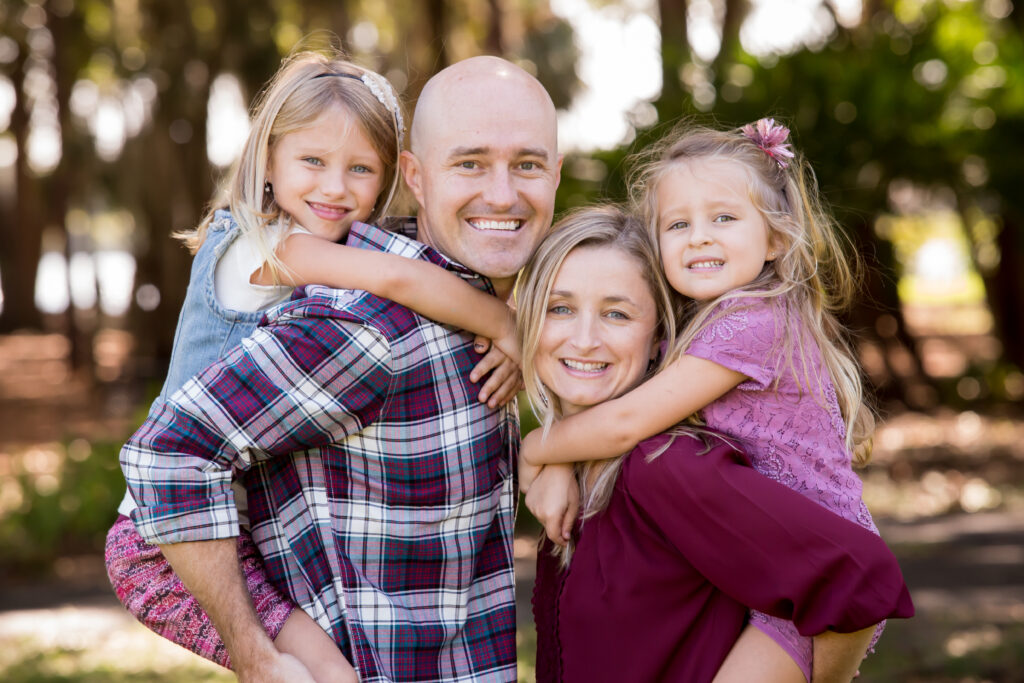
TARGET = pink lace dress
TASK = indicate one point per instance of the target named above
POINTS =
(786, 417)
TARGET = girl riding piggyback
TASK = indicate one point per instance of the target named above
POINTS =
(322, 153)
(762, 359)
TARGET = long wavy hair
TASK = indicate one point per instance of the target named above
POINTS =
(814, 277)
(606, 226)
(293, 99)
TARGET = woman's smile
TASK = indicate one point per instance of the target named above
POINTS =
(597, 337)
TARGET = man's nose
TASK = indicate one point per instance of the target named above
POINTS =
(500, 192)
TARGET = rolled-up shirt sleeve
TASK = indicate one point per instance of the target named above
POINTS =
(764, 545)
(297, 384)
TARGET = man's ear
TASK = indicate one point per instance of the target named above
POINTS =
(413, 174)
(558, 170)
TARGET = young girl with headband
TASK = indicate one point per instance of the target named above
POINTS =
(763, 359)
(322, 153)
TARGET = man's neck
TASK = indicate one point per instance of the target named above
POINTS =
(503, 287)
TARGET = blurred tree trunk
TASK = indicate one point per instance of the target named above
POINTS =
(1005, 289)
(21, 234)
(437, 19)
(176, 175)
(675, 53)
(732, 21)
(879, 296)
(68, 34)
(425, 50)
(493, 43)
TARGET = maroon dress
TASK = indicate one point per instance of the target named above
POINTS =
(661, 580)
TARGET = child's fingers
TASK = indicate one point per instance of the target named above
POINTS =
(571, 511)
(496, 380)
(509, 386)
(501, 382)
(491, 360)
(553, 529)
(481, 344)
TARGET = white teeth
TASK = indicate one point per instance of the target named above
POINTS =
(706, 264)
(495, 225)
(585, 367)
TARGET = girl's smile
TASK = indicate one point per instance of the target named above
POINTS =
(712, 237)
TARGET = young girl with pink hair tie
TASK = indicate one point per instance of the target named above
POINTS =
(763, 359)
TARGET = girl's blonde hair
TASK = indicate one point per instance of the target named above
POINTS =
(814, 276)
(607, 226)
(307, 84)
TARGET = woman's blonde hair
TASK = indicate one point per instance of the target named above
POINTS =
(606, 226)
(307, 84)
(814, 276)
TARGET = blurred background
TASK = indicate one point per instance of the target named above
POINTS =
(119, 117)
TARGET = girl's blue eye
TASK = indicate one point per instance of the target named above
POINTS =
(359, 168)
(313, 160)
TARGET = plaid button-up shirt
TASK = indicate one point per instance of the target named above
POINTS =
(380, 489)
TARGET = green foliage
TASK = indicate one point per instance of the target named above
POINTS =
(66, 510)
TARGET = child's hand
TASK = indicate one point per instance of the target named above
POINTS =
(506, 341)
(505, 380)
(554, 499)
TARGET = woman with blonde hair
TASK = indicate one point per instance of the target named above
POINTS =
(679, 537)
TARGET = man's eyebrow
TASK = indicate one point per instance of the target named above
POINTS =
(537, 152)
(468, 151)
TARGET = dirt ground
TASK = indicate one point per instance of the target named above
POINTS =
(946, 490)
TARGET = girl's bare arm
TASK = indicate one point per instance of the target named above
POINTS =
(425, 288)
(617, 426)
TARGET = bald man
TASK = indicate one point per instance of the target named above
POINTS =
(380, 489)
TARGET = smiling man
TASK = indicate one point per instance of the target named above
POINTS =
(380, 490)
(483, 166)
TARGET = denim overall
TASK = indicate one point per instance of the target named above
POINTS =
(206, 330)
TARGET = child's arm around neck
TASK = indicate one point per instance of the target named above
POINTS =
(615, 427)
(423, 287)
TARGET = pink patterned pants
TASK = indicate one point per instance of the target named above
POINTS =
(151, 591)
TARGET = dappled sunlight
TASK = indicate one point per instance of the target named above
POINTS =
(96, 641)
